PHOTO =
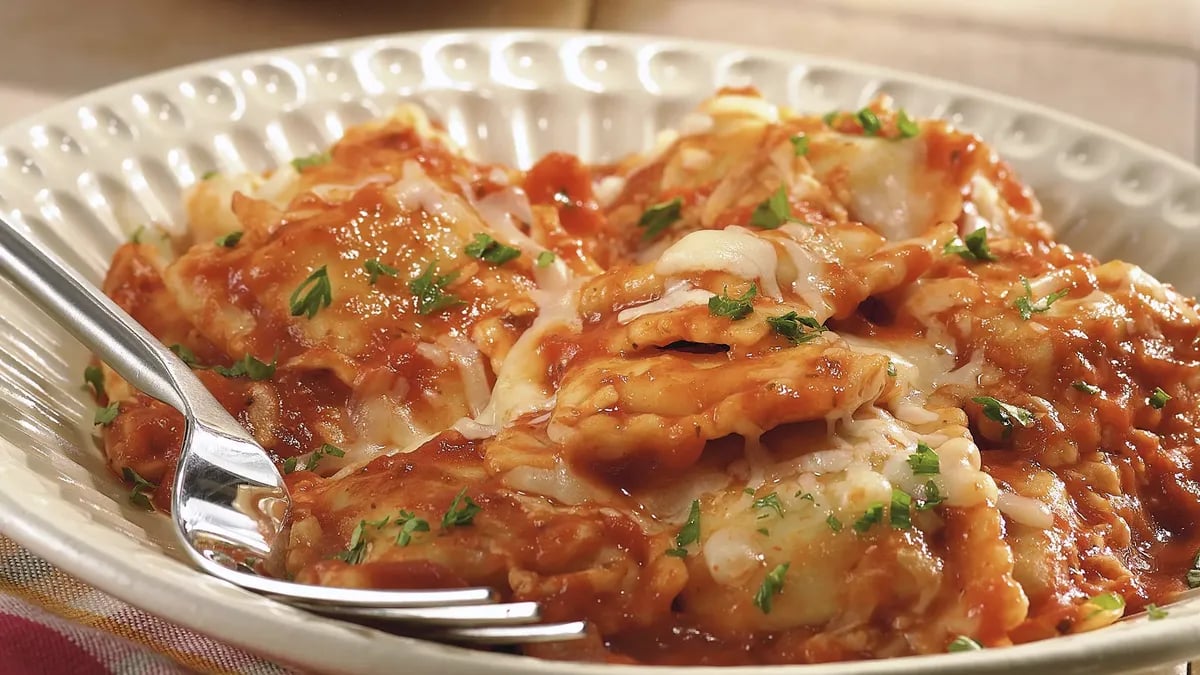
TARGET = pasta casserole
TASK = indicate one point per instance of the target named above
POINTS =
(780, 389)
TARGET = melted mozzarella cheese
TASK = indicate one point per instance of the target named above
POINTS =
(1025, 510)
(677, 296)
(734, 250)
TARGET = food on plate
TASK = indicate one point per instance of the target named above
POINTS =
(781, 389)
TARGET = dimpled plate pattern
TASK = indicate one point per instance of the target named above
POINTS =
(83, 175)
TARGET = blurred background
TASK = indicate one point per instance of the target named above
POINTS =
(1130, 64)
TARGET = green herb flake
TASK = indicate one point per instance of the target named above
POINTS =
(801, 495)
(677, 552)
(924, 460)
(1108, 602)
(748, 490)
(800, 144)
(318, 159)
(312, 294)
(136, 236)
(1027, 306)
(891, 369)
(770, 502)
(1007, 415)
(105, 416)
(409, 524)
(973, 247)
(376, 269)
(185, 354)
(933, 497)
(869, 518)
(1193, 574)
(310, 464)
(250, 367)
(1158, 398)
(229, 240)
(830, 117)
(1155, 612)
(771, 586)
(795, 328)
(656, 219)
(429, 290)
(289, 465)
(962, 643)
(138, 495)
(906, 125)
(763, 531)
(833, 523)
(690, 532)
(356, 550)
(94, 376)
(900, 513)
(869, 121)
(545, 259)
(462, 511)
(489, 250)
(1086, 388)
(735, 308)
(773, 211)
(211, 173)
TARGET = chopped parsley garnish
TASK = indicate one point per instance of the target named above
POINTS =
(376, 269)
(1027, 306)
(962, 643)
(487, 249)
(906, 125)
(1085, 387)
(186, 355)
(770, 502)
(833, 523)
(869, 121)
(933, 497)
(429, 290)
(105, 416)
(326, 450)
(1158, 398)
(873, 514)
(735, 308)
(689, 533)
(773, 211)
(94, 376)
(972, 247)
(302, 163)
(1193, 574)
(891, 368)
(138, 495)
(1107, 602)
(800, 144)
(660, 216)
(900, 513)
(545, 259)
(806, 495)
(250, 367)
(797, 329)
(136, 236)
(763, 531)
(312, 294)
(924, 460)
(409, 524)
(829, 117)
(357, 549)
(229, 240)
(748, 490)
(1007, 415)
(212, 173)
(772, 586)
(1155, 612)
(462, 511)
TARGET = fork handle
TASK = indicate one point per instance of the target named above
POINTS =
(95, 320)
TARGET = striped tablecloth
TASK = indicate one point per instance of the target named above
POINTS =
(52, 624)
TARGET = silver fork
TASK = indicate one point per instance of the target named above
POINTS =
(230, 504)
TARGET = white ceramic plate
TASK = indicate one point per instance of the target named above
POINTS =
(83, 175)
